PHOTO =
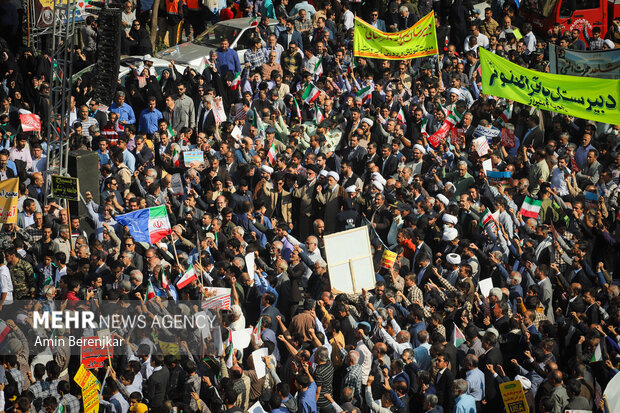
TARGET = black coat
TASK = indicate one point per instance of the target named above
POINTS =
(444, 390)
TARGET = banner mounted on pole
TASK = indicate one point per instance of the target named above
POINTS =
(417, 41)
(587, 98)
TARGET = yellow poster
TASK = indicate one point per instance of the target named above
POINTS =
(417, 41)
(582, 97)
(514, 397)
(90, 389)
(8, 200)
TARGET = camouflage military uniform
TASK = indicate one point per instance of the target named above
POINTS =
(22, 275)
(6, 238)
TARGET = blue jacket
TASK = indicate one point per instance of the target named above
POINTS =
(295, 38)
(228, 61)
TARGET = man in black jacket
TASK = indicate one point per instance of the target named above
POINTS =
(157, 383)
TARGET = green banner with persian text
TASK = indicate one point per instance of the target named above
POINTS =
(417, 41)
(586, 98)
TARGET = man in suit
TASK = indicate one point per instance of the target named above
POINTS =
(26, 218)
(389, 164)
(492, 356)
(290, 35)
(541, 274)
(421, 248)
(534, 136)
(406, 18)
(591, 171)
(425, 270)
(5, 171)
(443, 382)
(278, 201)
(35, 189)
(157, 383)
(205, 119)
(381, 218)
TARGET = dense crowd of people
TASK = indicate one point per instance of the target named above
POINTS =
(279, 174)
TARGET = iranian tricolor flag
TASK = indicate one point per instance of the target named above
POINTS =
(164, 280)
(310, 94)
(401, 116)
(272, 153)
(365, 93)
(236, 81)
(147, 225)
(505, 116)
(454, 117)
(598, 354)
(187, 278)
(257, 122)
(175, 156)
(150, 292)
(61, 408)
(318, 68)
(530, 207)
(204, 63)
(230, 350)
(318, 115)
(486, 217)
(458, 337)
(423, 128)
(257, 330)
(296, 108)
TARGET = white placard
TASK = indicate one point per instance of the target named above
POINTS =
(241, 338)
(259, 365)
(249, 264)
(256, 408)
(485, 286)
(487, 165)
(349, 259)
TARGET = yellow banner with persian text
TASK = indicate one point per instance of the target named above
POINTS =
(582, 97)
(417, 41)
(9, 196)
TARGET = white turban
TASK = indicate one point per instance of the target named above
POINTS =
(454, 259)
(420, 148)
(334, 175)
(378, 185)
(443, 199)
(449, 234)
(267, 169)
(351, 189)
(449, 219)
(455, 91)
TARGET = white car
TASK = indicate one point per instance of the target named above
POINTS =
(158, 64)
(239, 32)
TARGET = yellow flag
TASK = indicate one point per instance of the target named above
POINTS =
(582, 97)
(417, 41)
(8, 200)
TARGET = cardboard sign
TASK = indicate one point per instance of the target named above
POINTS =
(65, 187)
(489, 133)
(9, 198)
(508, 138)
(387, 259)
(30, 122)
(481, 145)
(193, 156)
(176, 185)
(514, 397)
(94, 356)
(216, 299)
(457, 136)
(90, 389)
(218, 110)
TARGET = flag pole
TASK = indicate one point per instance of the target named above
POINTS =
(174, 247)
(199, 265)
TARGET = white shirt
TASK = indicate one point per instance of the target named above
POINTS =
(348, 19)
(6, 284)
(483, 41)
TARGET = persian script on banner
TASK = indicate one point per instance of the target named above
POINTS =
(216, 299)
(417, 41)
(582, 97)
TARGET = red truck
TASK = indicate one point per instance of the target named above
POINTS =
(570, 14)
